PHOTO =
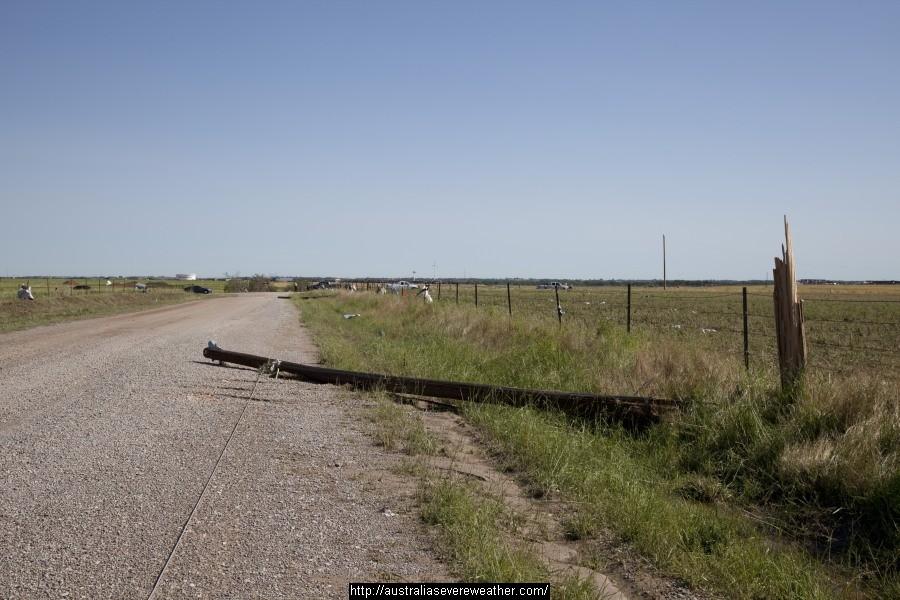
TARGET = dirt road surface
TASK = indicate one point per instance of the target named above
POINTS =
(111, 428)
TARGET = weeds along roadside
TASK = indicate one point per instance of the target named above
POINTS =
(748, 479)
(475, 530)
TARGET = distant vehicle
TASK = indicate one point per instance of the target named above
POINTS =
(554, 284)
(141, 287)
(320, 285)
(403, 285)
(198, 289)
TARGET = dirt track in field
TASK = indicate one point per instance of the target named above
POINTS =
(110, 429)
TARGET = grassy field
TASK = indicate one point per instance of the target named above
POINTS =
(17, 314)
(750, 492)
(848, 326)
(64, 286)
(56, 298)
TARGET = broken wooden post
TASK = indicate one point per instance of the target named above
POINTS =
(789, 330)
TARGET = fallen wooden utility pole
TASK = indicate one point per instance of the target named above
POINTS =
(637, 409)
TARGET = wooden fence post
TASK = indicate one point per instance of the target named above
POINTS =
(508, 299)
(457, 292)
(628, 311)
(746, 331)
(439, 290)
(476, 294)
(789, 328)
(559, 310)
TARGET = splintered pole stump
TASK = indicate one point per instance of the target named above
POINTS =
(789, 329)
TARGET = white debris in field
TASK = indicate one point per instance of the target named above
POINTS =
(426, 294)
(710, 330)
(676, 326)
(24, 292)
(351, 316)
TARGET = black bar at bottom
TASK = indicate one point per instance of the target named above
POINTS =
(512, 591)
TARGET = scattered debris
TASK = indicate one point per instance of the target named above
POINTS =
(427, 295)
(351, 316)
(24, 292)
(709, 330)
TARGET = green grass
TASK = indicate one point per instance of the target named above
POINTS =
(750, 492)
(475, 530)
(399, 430)
(618, 487)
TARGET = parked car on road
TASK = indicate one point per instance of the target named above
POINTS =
(403, 285)
(198, 289)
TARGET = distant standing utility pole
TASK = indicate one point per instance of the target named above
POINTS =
(664, 261)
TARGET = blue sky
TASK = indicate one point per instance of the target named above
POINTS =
(486, 138)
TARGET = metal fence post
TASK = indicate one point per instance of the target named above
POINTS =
(508, 299)
(476, 294)
(746, 331)
(628, 311)
(439, 290)
(457, 292)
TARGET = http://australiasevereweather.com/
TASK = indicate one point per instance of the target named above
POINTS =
(513, 591)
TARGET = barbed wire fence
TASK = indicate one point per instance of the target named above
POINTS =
(844, 335)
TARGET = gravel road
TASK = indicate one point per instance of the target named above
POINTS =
(110, 429)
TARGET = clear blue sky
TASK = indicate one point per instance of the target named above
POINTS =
(488, 138)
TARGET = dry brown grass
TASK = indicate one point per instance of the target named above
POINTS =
(19, 314)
